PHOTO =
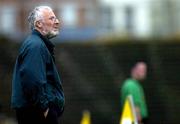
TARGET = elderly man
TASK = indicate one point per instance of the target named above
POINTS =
(37, 93)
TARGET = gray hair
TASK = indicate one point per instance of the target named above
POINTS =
(35, 15)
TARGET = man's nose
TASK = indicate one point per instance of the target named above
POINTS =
(57, 21)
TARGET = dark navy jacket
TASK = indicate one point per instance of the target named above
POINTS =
(36, 81)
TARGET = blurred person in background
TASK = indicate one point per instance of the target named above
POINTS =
(132, 86)
(37, 93)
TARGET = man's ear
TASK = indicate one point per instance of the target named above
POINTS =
(38, 24)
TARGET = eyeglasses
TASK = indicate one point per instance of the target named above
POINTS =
(53, 18)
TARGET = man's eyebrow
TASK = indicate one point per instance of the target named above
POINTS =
(52, 17)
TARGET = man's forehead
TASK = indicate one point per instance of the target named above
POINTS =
(48, 12)
(141, 64)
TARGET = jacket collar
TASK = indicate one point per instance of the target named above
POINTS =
(47, 42)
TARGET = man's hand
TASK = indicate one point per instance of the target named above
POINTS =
(46, 112)
(138, 114)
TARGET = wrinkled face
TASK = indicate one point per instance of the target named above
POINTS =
(50, 24)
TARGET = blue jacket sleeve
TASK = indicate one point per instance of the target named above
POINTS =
(33, 76)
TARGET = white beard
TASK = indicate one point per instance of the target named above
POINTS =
(51, 34)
